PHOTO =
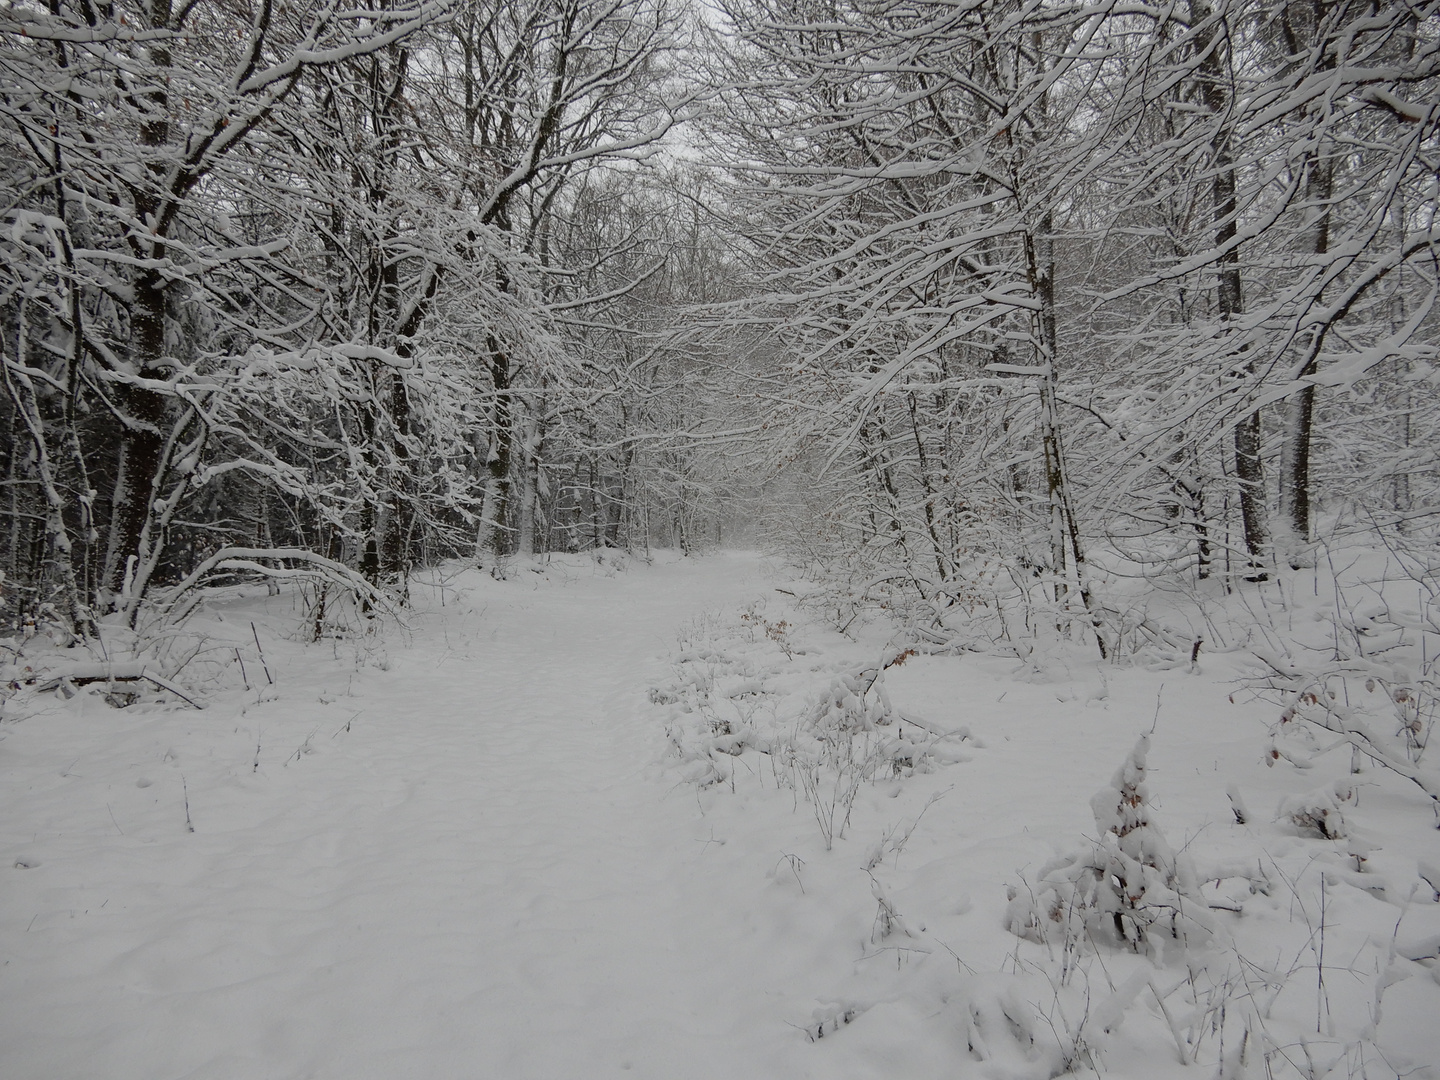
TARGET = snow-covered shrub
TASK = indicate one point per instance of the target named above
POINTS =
(855, 701)
(1128, 887)
(778, 631)
(750, 685)
(830, 777)
(1317, 813)
(1359, 674)
(1377, 720)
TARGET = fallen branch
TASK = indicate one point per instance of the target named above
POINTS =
(105, 671)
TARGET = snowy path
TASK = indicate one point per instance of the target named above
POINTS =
(470, 856)
(485, 876)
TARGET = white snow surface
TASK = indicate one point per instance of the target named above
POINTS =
(470, 849)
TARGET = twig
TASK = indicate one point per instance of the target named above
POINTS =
(1322, 1002)
(304, 748)
(261, 651)
(1169, 1020)
(348, 723)
(185, 789)
(166, 684)
(795, 863)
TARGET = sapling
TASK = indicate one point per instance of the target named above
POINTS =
(1145, 872)
(1127, 883)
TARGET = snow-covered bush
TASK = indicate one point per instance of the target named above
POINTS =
(1317, 813)
(1127, 888)
(826, 728)
(1359, 674)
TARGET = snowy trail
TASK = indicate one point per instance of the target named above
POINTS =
(555, 881)
(471, 855)
(486, 876)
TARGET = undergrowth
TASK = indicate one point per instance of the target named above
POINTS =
(754, 688)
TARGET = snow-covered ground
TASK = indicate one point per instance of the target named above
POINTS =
(560, 827)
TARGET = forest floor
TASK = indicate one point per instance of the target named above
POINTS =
(495, 843)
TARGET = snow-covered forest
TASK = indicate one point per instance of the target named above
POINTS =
(868, 538)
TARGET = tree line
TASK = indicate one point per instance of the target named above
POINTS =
(939, 293)
(331, 281)
(1148, 283)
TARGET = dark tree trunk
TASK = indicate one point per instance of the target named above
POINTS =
(1215, 81)
(142, 441)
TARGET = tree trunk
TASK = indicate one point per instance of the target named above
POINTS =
(1300, 414)
(488, 541)
(141, 445)
(529, 488)
(1064, 529)
(139, 475)
(927, 487)
(1215, 79)
(58, 586)
(399, 520)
